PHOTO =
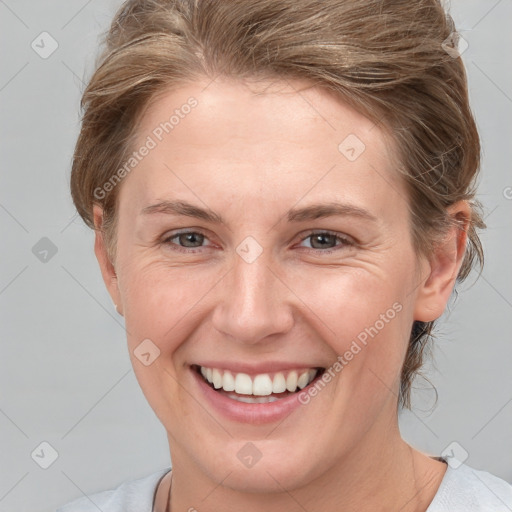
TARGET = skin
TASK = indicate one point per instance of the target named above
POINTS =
(250, 152)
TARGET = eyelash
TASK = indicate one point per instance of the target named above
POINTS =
(345, 242)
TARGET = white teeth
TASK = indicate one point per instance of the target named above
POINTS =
(253, 399)
(243, 384)
(279, 383)
(228, 382)
(291, 381)
(303, 380)
(217, 378)
(261, 385)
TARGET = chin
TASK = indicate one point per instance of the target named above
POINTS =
(268, 469)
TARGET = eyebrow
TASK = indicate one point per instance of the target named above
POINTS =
(312, 212)
(183, 208)
(319, 211)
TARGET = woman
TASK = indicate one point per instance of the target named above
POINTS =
(282, 195)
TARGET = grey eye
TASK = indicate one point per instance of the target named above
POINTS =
(324, 240)
(190, 239)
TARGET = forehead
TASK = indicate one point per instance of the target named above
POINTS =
(278, 111)
(276, 140)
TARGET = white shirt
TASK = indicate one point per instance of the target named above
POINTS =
(462, 490)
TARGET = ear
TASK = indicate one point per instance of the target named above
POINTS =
(443, 266)
(107, 268)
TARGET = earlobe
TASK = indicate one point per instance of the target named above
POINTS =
(443, 266)
(107, 268)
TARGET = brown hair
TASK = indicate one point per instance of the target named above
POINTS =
(386, 58)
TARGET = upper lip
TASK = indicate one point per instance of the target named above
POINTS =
(257, 368)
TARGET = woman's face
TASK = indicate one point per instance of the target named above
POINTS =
(290, 249)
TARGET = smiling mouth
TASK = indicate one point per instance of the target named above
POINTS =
(258, 389)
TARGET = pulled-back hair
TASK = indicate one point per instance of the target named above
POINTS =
(386, 58)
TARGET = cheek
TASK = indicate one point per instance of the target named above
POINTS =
(166, 305)
(351, 303)
(161, 305)
(365, 316)
(159, 300)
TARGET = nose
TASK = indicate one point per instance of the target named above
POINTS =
(254, 303)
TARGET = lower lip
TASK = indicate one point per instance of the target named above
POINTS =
(249, 413)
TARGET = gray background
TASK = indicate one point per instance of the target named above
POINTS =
(65, 373)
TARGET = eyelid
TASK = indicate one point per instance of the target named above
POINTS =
(336, 234)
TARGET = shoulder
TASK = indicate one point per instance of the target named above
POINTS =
(465, 489)
(130, 496)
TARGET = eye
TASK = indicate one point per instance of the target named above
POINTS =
(185, 241)
(326, 241)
